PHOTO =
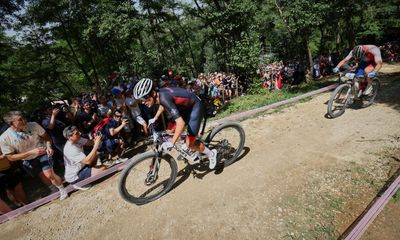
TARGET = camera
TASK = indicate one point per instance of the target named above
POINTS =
(98, 133)
(64, 108)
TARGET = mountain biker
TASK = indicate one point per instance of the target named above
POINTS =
(184, 107)
(369, 62)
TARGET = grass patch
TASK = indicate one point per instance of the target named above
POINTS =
(396, 197)
(263, 97)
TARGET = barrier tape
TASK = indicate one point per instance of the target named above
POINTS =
(119, 167)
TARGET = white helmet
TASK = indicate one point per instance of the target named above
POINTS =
(142, 88)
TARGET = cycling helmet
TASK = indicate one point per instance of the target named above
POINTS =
(142, 88)
(358, 52)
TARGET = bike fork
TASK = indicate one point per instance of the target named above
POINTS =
(152, 175)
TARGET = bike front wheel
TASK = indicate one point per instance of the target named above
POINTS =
(139, 183)
(228, 139)
(339, 100)
(368, 100)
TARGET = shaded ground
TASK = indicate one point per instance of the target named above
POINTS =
(303, 176)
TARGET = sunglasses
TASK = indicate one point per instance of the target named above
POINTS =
(144, 99)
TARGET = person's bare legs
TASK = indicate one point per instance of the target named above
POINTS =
(55, 180)
(50, 175)
(4, 208)
(98, 169)
(19, 194)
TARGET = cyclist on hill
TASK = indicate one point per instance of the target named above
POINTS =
(184, 107)
(369, 62)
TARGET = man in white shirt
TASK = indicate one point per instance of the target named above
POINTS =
(78, 166)
(29, 142)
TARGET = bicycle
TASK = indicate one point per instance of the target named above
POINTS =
(150, 175)
(350, 92)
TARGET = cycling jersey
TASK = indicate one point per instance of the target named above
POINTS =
(372, 56)
(371, 59)
(179, 102)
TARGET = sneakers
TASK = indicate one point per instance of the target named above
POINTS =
(63, 194)
(213, 159)
(368, 90)
(121, 160)
(80, 188)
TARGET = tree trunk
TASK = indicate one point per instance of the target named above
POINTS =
(309, 57)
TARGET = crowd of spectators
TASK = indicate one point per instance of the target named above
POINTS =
(81, 137)
(390, 51)
(277, 75)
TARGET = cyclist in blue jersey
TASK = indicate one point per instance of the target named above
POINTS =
(184, 107)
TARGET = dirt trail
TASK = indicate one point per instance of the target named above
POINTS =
(303, 176)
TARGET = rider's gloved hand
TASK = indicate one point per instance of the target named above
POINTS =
(151, 121)
(335, 70)
(372, 74)
(167, 146)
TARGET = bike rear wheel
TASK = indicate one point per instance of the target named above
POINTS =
(228, 139)
(134, 185)
(339, 100)
(368, 100)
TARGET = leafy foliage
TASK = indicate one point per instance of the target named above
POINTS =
(64, 47)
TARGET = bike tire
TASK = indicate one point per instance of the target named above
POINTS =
(128, 183)
(335, 98)
(369, 100)
(217, 140)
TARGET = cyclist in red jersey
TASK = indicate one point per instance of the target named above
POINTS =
(369, 62)
(184, 107)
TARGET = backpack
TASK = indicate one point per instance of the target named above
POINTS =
(100, 126)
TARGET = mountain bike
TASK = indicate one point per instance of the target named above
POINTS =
(150, 175)
(351, 92)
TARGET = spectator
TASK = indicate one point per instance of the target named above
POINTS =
(10, 182)
(24, 141)
(113, 143)
(4, 208)
(87, 118)
(54, 127)
(104, 108)
(134, 110)
(78, 166)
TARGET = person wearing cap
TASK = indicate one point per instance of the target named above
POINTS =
(78, 165)
(29, 142)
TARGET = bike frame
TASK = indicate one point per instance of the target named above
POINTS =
(159, 139)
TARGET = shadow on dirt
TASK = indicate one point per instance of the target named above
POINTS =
(200, 170)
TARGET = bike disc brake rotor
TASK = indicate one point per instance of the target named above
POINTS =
(151, 178)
